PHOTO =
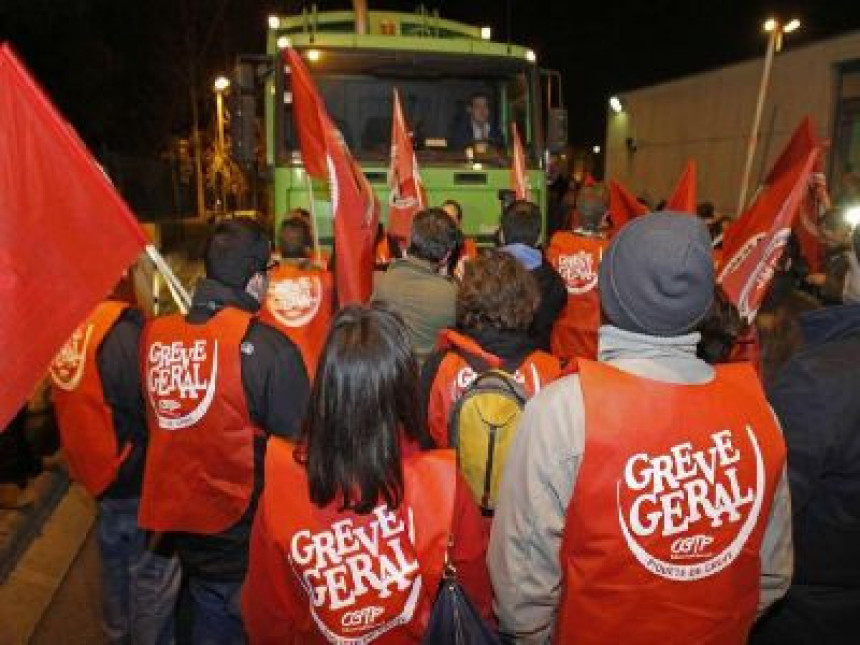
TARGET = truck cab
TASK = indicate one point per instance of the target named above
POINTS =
(440, 69)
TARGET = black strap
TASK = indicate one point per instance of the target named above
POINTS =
(480, 365)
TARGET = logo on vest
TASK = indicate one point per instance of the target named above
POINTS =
(466, 376)
(361, 576)
(686, 514)
(181, 380)
(67, 368)
(295, 301)
(579, 272)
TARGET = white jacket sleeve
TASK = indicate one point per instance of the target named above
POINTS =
(536, 488)
(776, 551)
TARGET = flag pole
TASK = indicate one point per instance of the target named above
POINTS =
(772, 47)
(180, 295)
(313, 210)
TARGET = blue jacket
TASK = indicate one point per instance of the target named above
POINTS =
(817, 399)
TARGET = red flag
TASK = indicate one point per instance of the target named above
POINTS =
(65, 234)
(623, 206)
(519, 176)
(407, 195)
(754, 244)
(683, 198)
(816, 200)
(815, 203)
(354, 207)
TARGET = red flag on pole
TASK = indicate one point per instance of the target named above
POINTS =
(683, 198)
(816, 200)
(623, 206)
(65, 234)
(519, 176)
(754, 244)
(354, 207)
(407, 195)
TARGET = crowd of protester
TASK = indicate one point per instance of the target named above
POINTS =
(313, 475)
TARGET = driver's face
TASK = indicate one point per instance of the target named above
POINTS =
(480, 109)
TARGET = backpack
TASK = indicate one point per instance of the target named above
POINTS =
(482, 428)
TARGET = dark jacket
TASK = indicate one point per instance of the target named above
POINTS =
(462, 134)
(276, 390)
(553, 298)
(817, 399)
(118, 361)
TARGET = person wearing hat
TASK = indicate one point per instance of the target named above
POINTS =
(216, 382)
(644, 499)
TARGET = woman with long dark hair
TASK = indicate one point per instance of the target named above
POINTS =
(354, 523)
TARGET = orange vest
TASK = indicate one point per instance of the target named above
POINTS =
(470, 249)
(662, 536)
(383, 252)
(455, 375)
(299, 304)
(84, 418)
(577, 259)
(199, 474)
(360, 578)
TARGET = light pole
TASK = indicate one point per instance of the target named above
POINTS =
(775, 30)
(222, 83)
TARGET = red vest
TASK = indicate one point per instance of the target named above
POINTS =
(383, 252)
(455, 375)
(360, 578)
(577, 259)
(470, 249)
(199, 473)
(662, 536)
(84, 418)
(299, 304)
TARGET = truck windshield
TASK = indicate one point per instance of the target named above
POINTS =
(437, 94)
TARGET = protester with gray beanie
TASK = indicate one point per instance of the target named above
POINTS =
(647, 398)
(657, 276)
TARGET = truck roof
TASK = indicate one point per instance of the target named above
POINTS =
(387, 30)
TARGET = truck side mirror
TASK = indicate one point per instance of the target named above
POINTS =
(556, 129)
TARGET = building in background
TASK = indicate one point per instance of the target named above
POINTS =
(708, 117)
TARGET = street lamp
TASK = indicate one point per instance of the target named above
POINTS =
(775, 29)
(616, 105)
(596, 150)
(221, 85)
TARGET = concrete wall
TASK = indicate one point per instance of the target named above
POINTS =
(708, 117)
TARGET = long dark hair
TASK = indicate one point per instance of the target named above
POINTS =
(365, 399)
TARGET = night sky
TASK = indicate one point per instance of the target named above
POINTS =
(122, 71)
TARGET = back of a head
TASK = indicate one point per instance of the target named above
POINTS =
(434, 235)
(364, 395)
(657, 275)
(236, 250)
(591, 207)
(705, 210)
(521, 223)
(294, 238)
(497, 292)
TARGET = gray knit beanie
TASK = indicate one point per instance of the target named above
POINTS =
(657, 276)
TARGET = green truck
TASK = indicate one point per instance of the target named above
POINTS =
(438, 66)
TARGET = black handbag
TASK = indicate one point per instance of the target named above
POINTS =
(454, 620)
